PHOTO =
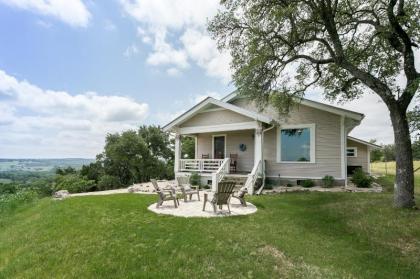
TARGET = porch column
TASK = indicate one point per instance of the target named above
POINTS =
(258, 150)
(177, 152)
(258, 144)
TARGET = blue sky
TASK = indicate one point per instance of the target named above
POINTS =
(73, 71)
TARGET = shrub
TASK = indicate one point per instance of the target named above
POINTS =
(361, 179)
(74, 183)
(195, 179)
(307, 183)
(8, 188)
(327, 181)
(289, 185)
(107, 182)
(12, 201)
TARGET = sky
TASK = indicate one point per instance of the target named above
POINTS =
(73, 71)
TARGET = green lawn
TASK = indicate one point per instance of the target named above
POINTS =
(388, 169)
(299, 235)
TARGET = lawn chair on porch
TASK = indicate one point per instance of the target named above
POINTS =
(186, 188)
(221, 197)
(164, 194)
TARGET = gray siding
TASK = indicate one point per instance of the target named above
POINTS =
(327, 143)
(215, 118)
(233, 140)
(362, 155)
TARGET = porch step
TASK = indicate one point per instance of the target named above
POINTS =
(239, 179)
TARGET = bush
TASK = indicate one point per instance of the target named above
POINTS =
(327, 181)
(195, 179)
(12, 201)
(74, 183)
(307, 183)
(107, 182)
(8, 188)
(361, 179)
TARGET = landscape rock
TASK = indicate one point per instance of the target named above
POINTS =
(61, 194)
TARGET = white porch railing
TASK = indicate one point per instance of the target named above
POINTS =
(217, 176)
(257, 170)
(200, 165)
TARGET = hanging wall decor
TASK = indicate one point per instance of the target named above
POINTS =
(242, 147)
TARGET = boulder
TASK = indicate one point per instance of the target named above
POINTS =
(61, 194)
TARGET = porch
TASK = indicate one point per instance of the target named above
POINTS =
(233, 155)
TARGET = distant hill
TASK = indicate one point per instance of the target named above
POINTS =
(42, 164)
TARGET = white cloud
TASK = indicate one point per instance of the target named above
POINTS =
(177, 29)
(46, 123)
(131, 50)
(72, 12)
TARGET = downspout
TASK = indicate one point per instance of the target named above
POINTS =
(262, 158)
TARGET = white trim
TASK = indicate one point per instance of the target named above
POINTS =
(375, 146)
(213, 109)
(312, 129)
(354, 151)
(209, 100)
(343, 145)
(195, 147)
(368, 159)
(313, 104)
(219, 128)
(301, 177)
(212, 144)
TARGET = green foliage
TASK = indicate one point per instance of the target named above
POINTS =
(73, 183)
(327, 181)
(195, 179)
(9, 202)
(93, 171)
(388, 153)
(8, 188)
(307, 183)
(416, 149)
(413, 117)
(64, 171)
(107, 182)
(188, 147)
(137, 156)
(361, 179)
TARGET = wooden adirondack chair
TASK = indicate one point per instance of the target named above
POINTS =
(164, 194)
(240, 195)
(221, 197)
(186, 188)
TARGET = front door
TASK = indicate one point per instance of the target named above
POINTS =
(219, 147)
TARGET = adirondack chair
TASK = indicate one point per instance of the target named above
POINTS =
(164, 194)
(186, 188)
(240, 195)
(221, 197)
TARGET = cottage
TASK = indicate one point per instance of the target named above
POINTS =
(235, 139)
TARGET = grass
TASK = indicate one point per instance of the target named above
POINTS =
(296, 235)
(388, 170)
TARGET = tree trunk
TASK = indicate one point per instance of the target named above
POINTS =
(404, 179)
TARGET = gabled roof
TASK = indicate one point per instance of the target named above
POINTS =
(332, 109)
(364, 142)
(208, 101)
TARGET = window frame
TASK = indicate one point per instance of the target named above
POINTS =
(354, 151)
(312, 131)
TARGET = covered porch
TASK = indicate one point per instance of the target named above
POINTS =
(228, 142)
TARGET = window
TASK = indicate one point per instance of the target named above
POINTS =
(296, 144)
(351, 152)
